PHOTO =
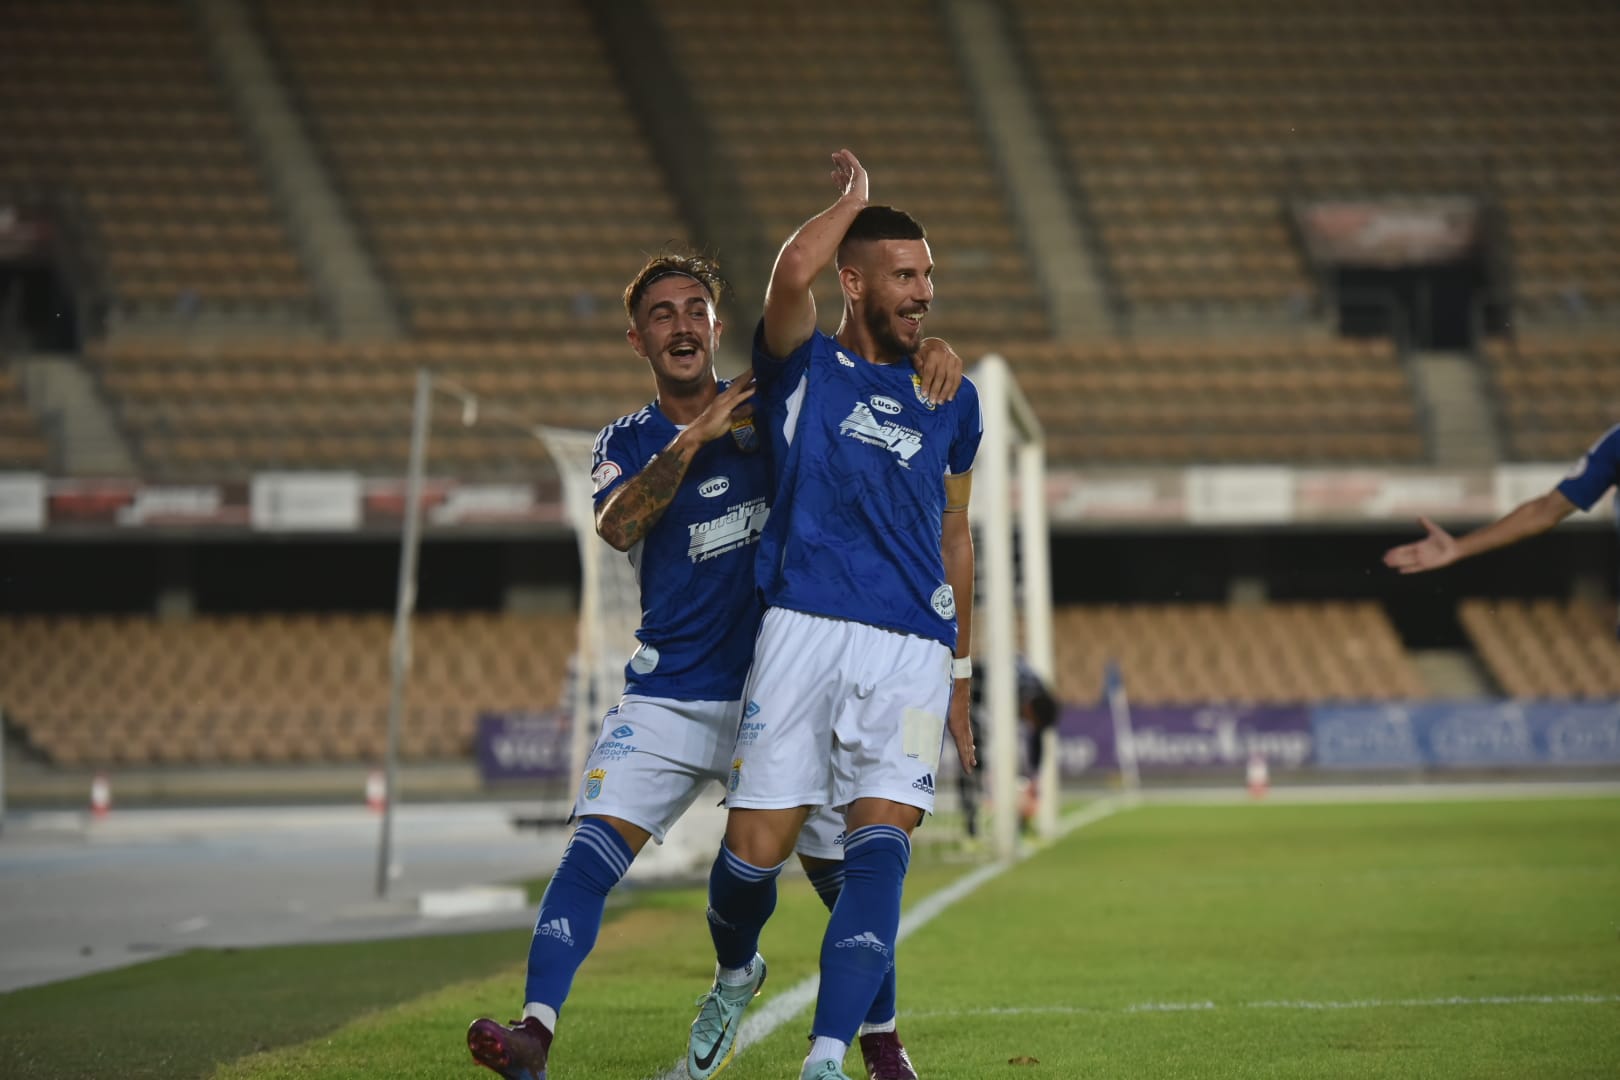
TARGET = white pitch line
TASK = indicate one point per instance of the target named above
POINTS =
(1315, 1006)
(763, 1020)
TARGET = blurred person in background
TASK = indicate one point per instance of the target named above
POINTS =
(1037, 713)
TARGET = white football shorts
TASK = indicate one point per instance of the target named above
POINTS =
(839, 711)
(656, 756)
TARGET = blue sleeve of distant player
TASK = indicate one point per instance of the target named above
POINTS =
(969, 429)
(1595, 473)
(769, 369)
(614, 460)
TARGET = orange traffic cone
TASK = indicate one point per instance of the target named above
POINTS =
(376, 791)
(100, 795)
(1259, 775)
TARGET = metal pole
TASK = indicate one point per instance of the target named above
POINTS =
(994, 629)
(399, 664)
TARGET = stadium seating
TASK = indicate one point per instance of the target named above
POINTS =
(1545, 648)
(785, 85)
(1188, 128)
(489, 154)
(22, 443)
(1296, 402)
(110, 106)
(1555, 395)
(267, 688)
(1270, 653)
(223, 411)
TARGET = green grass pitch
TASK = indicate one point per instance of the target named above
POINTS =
(1477, 939)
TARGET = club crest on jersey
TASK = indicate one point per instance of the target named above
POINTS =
(745, 434)
(944, 602)
(922, 397)
(605, 474)
(714, 486)
(644, 660)
(593, 783)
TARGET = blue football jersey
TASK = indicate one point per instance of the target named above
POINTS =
(860, 459)
(1595, 473)
(699, 608)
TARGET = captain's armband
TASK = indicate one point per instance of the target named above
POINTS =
(958, 489)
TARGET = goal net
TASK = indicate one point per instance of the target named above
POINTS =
(1012, 609)
(609, 613)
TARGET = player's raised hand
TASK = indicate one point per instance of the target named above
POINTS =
(730, 403)
(960, 724)
(849, 177)
(939, 368)
(1435, 550)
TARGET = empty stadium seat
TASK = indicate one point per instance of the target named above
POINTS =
(268, 688)
(1268, 653)
(112, 108)
(1545, 648)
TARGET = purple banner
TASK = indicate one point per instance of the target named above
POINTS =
(1186, 736)
(522, 746)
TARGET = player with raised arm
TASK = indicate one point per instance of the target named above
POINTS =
(683, 487)
(866, 568)
(1596, 472)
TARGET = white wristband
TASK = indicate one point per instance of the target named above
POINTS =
(961, 667)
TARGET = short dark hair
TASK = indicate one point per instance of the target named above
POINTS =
(688, 263)
(880, 223)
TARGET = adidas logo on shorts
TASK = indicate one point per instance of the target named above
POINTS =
(558, 929)
(925, 785)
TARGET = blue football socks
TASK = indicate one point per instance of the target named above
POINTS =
(741, 898)
(858, 949)
(596, 858)
(828, 883)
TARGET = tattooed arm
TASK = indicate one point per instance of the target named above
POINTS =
(626, 516)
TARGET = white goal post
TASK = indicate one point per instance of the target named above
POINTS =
(1013, 594)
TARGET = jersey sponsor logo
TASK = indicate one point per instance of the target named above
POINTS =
(922, 396)
(714, 486)
(593, 783)
(846, 361)
(605, 474)
(751, 710)
(862, 426)
(623, 731)
(737, 527)
(645, 660)
(887, 405)
(944, 602)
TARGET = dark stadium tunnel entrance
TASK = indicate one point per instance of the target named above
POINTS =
(1426, 307)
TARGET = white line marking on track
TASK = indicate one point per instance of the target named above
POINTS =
(1208, 1006)
(763, 1020)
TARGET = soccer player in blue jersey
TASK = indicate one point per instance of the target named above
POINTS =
(866, 568)
(683, 486)
(1596, 472)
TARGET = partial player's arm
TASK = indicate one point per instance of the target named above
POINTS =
(790, 307)
(957, 547)
(1596, 472)
(1440, 548)
(635, 506)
